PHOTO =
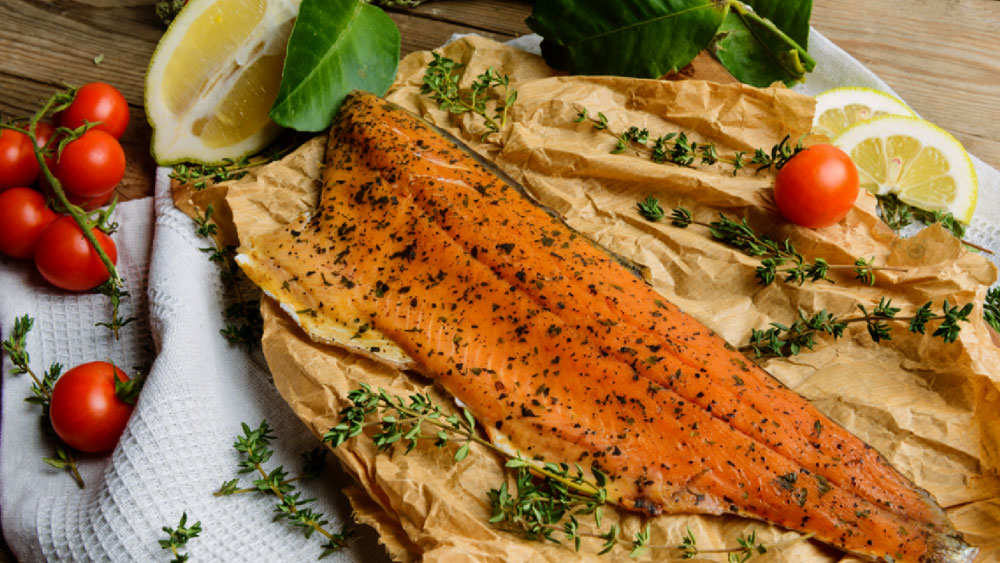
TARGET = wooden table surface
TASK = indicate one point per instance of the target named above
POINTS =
(937, 54)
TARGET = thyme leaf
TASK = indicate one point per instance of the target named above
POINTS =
(244, 324)
(777, 259)
(490, 95)
(178, 537)
(789, 340)
(676, 148)
(650, 209)
(255, 445)
(544, 503)
(991, 308)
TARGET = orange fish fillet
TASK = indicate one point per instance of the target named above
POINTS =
(424, 256)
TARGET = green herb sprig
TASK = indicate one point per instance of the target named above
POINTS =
(255, 445)
(898, 215)
(547, 498)
(789, 340)
(440, 84)
(41, 392)
(991, 308)
(178, 537)
(776, 257)
(676, 148)
(200, 176)
(244, 324)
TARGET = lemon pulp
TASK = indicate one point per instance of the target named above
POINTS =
(914, 159)
(214, 77)
(839, 108)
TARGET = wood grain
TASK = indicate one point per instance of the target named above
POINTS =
(939, 55)
(936, 53)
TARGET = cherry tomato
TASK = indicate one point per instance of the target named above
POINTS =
(85, 412)
(65, 258)
(43, 133)
(95, 102)
(817, 187)
(92, 165)
(18, 166)
(23, 215)
(91, 203)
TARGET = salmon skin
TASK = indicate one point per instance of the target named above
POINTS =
(423, 255)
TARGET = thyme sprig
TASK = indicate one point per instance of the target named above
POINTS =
(114, 293)
(991, 308)
(898, 215)
(167, 10)
(748, 547)
(776, 257)
(441, 84)
(86, 221)
(546, 500)
(244, 324)
(198, 176)
(676, 148)
(789, 340)
(650, 209)
(178, 537)
(41, 392)
(255, 445)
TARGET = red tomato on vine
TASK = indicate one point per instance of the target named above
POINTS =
(65, 258)
(23, 216)
(18, 166)
(95, 102)
(91, 166)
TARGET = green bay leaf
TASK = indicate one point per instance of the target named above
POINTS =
(757, 52)
(790, 16)
(335, 47)
(641, 38)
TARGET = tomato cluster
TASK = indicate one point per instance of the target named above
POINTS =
(88, 168)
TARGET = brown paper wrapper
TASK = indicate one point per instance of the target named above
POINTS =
(933, 409)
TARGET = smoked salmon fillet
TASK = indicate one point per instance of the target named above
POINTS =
(424, 256)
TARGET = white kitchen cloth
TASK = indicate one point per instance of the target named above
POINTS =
(177, 448)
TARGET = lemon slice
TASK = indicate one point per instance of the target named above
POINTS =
(839, 108)
(916, 160)
(213, 78)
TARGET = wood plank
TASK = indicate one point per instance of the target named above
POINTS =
(419, 33)
(48, 44)
(939, 56)
(503, 17)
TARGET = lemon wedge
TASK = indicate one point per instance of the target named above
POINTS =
(213, 78)
(839, 108)
(916, 160)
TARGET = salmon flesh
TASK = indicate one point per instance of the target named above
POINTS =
(426, 257)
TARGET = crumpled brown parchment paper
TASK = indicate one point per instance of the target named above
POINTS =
(932, 408)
